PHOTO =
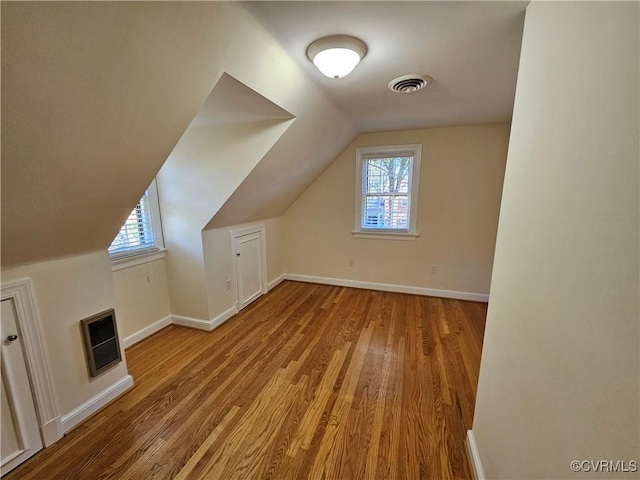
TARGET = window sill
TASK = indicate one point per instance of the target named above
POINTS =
(140, 259)
(385, 235)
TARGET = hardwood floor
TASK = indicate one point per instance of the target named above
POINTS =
(310, 381)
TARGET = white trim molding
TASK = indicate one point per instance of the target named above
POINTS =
(386, 287)
(206, 325)
(223, 317)
(37, 359)
(197, 323)
(146, 332)
(276, 281)
(190, 322)
(363, 154)
(139, 259)
(385, 235)
(474, 456)
(95, 403)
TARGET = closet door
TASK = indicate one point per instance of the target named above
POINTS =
(19, 423)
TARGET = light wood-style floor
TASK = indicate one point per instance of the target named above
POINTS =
(309, 382)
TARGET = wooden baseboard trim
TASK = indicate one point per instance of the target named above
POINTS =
(474, 456)
(96, 402)
(386, 287)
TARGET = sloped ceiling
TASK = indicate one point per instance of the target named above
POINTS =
(283, 174)
(227, 138)
(232, 103)
(96, 95)
(471, 49)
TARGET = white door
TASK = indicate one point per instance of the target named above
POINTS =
(19, 423)
(249, 267)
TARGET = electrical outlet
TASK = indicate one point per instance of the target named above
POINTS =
(228, 284)
(434, 269)
(351, 262)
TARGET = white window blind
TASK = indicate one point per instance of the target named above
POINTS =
(141, 232)
(385, 192)
(387, 189)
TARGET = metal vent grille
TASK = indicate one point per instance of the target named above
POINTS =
(409, 83)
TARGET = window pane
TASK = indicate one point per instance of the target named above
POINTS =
(385, 188)
(137, 231)
(386, 175)
(385, 212)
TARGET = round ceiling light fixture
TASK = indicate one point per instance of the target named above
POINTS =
(409, 83)
(337, 55)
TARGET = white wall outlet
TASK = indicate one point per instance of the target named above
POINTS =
(228, 284)
(434, 269)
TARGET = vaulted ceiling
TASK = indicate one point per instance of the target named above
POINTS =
(471, 49)
(95, 95)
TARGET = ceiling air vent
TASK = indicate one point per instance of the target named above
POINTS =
(409, 83)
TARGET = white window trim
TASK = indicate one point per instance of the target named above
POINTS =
(414, 183)
(138, 259)
(132, 258)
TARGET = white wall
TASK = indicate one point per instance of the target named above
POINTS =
(559, 379)
(142, 296)
(67, 291)
(203, 170)
(219, 265)
(459, 198)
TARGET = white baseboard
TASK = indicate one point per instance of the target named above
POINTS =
(146, 331)
(206, 325)
(52, 431)
(474, 456)
(276, 281)
(386, 287)
(223, 317)
(96, 402)
(190, 322)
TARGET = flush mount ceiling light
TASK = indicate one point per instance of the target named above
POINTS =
(409, 83)
(336, 55)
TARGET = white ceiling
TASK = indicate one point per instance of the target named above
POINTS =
(471, 49)
(231, 102)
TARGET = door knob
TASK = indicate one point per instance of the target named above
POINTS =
(12, 338)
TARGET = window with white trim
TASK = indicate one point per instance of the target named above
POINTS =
(387, 190)
(141, 233)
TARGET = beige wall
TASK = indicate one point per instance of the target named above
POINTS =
(66, 291)
(142, 296)
(559, 379)
(218, 262)
(203, 170)
(460, 187)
